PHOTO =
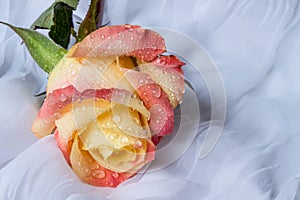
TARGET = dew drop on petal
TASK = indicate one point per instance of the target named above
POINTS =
(63, 97)
(157, 92)
(116, 118)
(141, 81)
(111, 137)
(99, 174)
(127, 26)
(73, 72)
(138, 143)
(124, 140)
(115, 175)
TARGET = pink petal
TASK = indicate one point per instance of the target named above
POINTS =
(155, 100)
(92, 168)
(126, 40)
(166, 71)
(56, 102)
(161, 112)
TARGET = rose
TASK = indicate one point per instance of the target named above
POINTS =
(110, 100)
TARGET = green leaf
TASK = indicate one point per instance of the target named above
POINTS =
(45, 20)
(89, 24)
(43, 50)
(60, 31)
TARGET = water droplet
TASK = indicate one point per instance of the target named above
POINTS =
(138, 143)
(124, 140)
(109, 37)
(131, 38)
(71, 65)
(63, 97)
(141, 81)
(108, 47)
(102, 36)
(115, 175)
(116, 118)
(128, 128)
(127, 26)
(157, 93)
(73, 72)
(140, 31)
(99, 174)
(83, 109)
(111, 137)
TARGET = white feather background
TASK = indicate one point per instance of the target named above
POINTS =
(256, 46)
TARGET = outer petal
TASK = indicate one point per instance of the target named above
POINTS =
(57, 103)
(155, 100)
(161, 112)
(121, 40)
(83, 74)
(91, 172)
(167, 72)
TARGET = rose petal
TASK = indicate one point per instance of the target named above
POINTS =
(166, 71)
(155, 100)
(81, 114)
(59, 100)
(121, 40)
(161, 112)
(88, 170)
(91, 73)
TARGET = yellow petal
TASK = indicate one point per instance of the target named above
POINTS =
(87, 73)
(129, 122)
(121, 160)
(170, 80)
(125, 62)
(79, 115)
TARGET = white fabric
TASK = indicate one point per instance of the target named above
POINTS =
(256, 47)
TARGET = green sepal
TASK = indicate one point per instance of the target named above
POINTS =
(43, 50)
(60, 32)
(89, 24)
(45, 20)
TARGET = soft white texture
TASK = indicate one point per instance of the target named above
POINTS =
(256, 46)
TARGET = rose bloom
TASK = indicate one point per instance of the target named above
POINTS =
(109, 101)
